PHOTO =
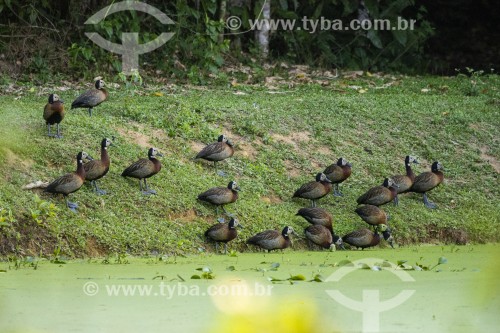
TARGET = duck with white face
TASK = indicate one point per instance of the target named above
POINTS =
(427, 181)
(314, 190)
(53, 113)
(220, 196)
(217, 152)
(405, 182)
(91, 98)
(272, 239)
(338, 173)
(143, 169)
(70, 182)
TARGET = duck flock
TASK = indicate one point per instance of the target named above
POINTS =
(320, 232)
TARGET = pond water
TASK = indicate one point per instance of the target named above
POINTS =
(152, 295)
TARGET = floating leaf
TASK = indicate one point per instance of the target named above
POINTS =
(345, 262)
(195, 277)
(417, 268)
(402, 262)
(272, 279)
(230, 268)
(317, 278)
(274, 266)
(376, 268)
(442, 260)
(180, 278)
(298, 277)
(364, 266)
(386, 264)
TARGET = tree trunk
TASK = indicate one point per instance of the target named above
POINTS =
(222, 18)
(263, 34)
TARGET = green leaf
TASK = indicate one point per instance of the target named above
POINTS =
(195, 277)
(401, 36)
(230, 268)
(373, 36)
(442, 260)
(298, 277)
(272, 279)
(344, 262)
(401, 262)
(386, 264)
(364, 266)
(317, 278)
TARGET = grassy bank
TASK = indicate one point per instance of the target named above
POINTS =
(283, 136)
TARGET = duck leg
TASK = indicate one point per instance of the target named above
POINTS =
(313, 203)
(148, 191)
(216, 248)
(336, 191)
(90, 112)
(225, 248)
(71, 205)
(219, 172)
(58, 135)
(396, 200)
(97, 189)
(226, 212)
(427, 203)
(49, 134)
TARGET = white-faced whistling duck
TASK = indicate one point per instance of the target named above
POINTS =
(143, 169)
(91, 98)
(372, 215)
(323, 237)
(217, 151)
(70, 182)
(314, 190)
(316, 215)
(96, 169)
(379, 195)
(272, 239)
(426, 181)
(364, 238)
(53, 113)
(223, 233)
(220, 196)
(404, 182)
(337, 173)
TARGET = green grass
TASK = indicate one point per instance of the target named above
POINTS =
(282, 139)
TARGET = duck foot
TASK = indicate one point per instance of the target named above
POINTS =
(337, 193)
(429, 204)
(221, 173)
(149, 192)
(72, 206)
(221, 220)
(100, 192)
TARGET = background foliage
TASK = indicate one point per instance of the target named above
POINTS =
(40, 38)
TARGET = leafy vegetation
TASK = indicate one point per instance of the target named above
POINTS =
(283, 134)
(43, 38)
